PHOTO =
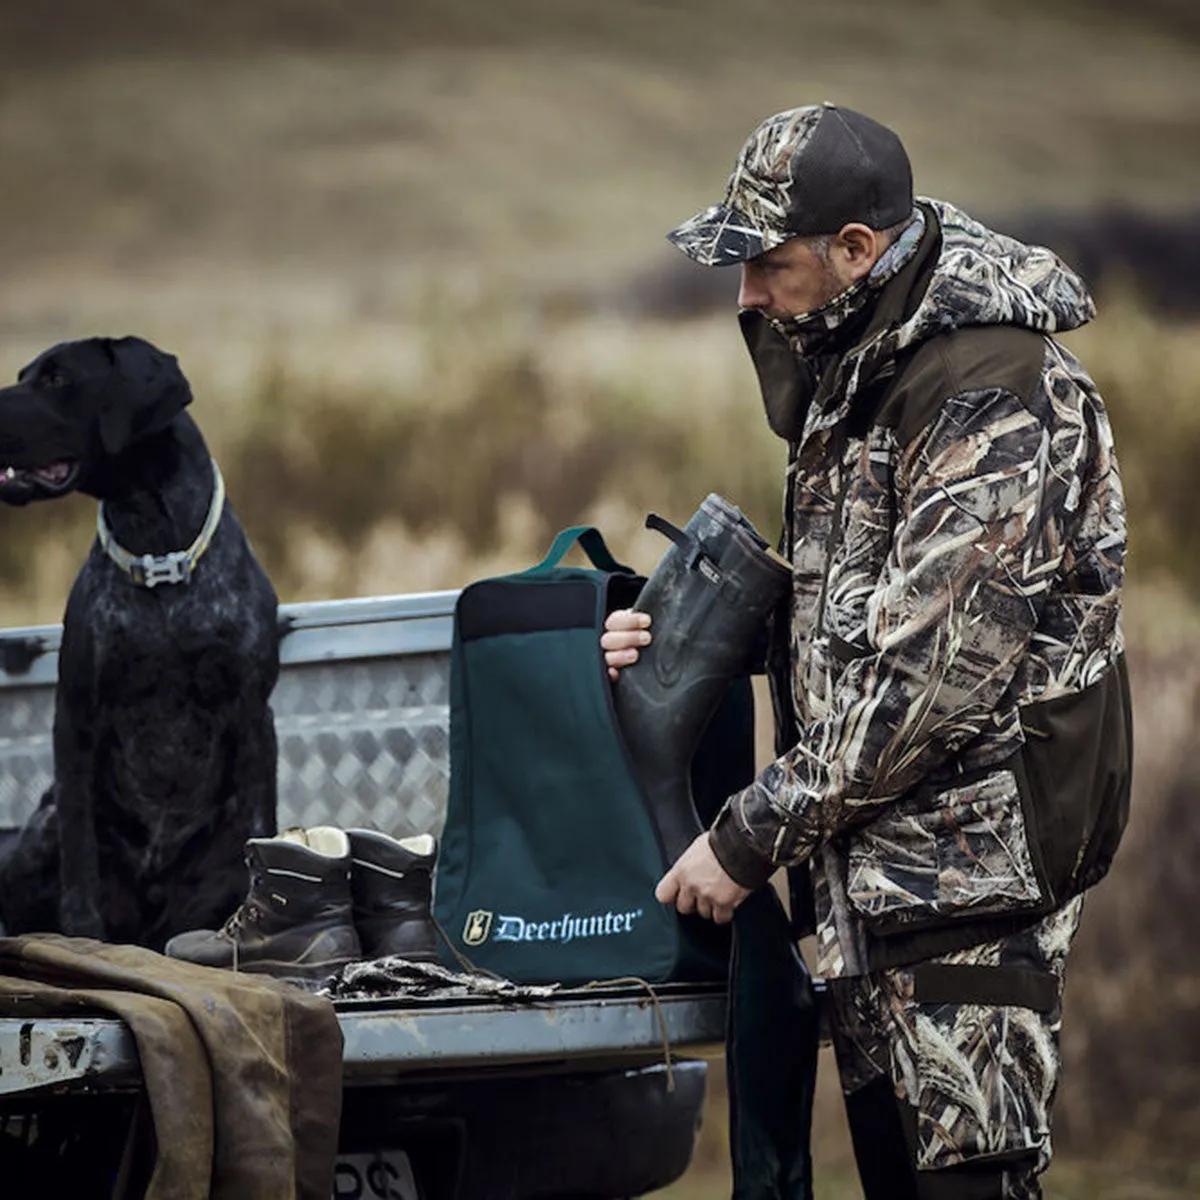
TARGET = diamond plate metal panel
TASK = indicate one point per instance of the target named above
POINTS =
(361, 743)
(26, 753)
(365, 743)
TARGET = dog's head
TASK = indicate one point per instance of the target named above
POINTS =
(78, 404)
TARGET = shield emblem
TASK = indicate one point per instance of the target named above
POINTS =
(477, 928)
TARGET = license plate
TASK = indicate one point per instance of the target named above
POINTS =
(385, 1175)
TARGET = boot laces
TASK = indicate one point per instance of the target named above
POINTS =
(245, 914)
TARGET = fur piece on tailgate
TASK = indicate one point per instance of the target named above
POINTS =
(164, 740)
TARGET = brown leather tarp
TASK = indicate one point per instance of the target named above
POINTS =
(243, 1074)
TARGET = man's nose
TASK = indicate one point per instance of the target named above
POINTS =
(751, 293)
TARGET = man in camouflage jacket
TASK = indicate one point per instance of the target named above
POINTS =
(953, 714)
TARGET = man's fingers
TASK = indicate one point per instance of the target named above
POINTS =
(698, 883)
(624, 632)
(624, 639)
(624, 619)
(621, 649)
(620, 656)
(616, 659)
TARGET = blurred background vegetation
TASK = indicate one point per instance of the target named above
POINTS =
(411, 257)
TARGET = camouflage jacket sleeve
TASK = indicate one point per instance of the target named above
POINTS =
(982, 495)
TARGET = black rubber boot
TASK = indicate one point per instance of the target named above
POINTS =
(296, 921)
(392, 884)
(708, 599)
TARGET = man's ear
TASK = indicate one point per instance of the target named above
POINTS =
(855, 250)
(145, 392)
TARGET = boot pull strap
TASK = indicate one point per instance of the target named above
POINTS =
(694, 556)
(592, 544)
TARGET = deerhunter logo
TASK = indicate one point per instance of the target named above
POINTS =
(567, 928)
(564, 929)
(477, 928)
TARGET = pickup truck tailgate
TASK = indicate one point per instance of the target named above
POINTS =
(623, 1025)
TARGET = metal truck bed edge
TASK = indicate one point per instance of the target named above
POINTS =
(386, 1039)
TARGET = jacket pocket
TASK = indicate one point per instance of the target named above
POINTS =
(964, 853)
(985, 1082)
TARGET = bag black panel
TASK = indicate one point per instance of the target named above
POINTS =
(499, 606)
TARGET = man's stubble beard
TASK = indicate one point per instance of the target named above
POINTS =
(831, 288)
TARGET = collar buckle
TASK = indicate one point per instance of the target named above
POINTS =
(149, 571)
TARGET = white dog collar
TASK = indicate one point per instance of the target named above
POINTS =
(149, 570)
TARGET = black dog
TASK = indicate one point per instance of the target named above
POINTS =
(164, 740)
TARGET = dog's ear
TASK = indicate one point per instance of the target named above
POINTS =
(146, 391)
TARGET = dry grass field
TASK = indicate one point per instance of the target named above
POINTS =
(406, 256)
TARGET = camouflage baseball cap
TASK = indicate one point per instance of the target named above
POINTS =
(806, 171)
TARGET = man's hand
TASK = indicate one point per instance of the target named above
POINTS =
(698, 883)
(624, 631)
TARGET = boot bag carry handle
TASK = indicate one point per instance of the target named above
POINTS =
(592, 544)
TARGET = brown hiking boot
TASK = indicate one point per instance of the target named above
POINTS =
(392, 884)
(296, 921)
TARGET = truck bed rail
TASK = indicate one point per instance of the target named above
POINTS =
(386, 1039)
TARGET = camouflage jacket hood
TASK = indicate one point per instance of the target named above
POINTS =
(981, 277)
(962, 274)
(956, 526)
